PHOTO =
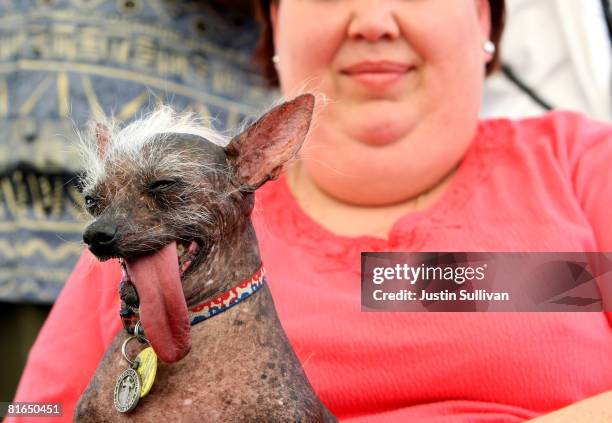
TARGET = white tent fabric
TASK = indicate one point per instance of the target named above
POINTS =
(562, 50)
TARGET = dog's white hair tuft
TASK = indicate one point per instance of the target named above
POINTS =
(128, 142)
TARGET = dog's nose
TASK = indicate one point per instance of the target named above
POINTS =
(100, 234)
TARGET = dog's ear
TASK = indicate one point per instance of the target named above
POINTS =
(102, 138)
(258, 153)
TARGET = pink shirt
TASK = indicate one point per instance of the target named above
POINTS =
(535, 185)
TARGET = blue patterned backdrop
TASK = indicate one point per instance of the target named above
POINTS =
(63, 62)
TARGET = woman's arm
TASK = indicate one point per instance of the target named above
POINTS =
(589, 155)
(83, 321)
(597, 409)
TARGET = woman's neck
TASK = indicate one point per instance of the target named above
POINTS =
(348, 219)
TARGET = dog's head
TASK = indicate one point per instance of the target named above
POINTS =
(163, 193)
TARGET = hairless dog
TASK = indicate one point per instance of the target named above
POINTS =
(173, 202)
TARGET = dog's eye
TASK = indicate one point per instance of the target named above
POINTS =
(162, 185)
(91, 204)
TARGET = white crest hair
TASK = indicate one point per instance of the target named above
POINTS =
(128, 142)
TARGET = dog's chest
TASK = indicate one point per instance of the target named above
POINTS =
(221, 379)
(181, 391)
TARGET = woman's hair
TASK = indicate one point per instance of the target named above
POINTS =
(265, 46)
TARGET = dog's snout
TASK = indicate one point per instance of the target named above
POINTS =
(100, 234)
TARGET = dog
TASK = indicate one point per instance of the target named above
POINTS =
(172, 201)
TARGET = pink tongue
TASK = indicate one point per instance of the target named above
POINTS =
(163, 310)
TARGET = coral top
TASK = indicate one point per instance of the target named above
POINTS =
(535, 185)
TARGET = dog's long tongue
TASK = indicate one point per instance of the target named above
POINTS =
(163, 310)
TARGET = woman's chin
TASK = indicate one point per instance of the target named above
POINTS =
(379, 128)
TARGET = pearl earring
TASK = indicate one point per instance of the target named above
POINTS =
(489, 47)
(275, 59)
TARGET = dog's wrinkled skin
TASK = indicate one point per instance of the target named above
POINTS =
(240, 366)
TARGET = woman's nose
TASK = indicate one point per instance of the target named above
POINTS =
(373, 20)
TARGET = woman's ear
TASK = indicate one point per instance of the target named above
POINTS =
(274, 19)
(484, 16)
(483, 9)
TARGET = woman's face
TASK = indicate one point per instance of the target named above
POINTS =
(403, 81)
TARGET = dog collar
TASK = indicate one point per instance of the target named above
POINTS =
(229, 298)
(206, 309)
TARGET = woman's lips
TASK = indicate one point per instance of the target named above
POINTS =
(377, 75)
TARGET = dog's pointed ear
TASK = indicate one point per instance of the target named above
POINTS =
(258, 153)
(102, 138)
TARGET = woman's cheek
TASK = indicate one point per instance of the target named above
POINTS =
(309, 40)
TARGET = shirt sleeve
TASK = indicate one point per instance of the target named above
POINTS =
(69, 347)
(592, 177)
(590, 156)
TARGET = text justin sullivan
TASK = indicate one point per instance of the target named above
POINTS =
(446, 295)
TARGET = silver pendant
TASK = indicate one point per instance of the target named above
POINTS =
(127, 391)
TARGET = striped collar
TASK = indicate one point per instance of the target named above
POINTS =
(209, 308)
(229, 298)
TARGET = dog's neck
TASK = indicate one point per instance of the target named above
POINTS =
(231, 260)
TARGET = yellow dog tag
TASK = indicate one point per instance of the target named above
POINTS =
(147, 368)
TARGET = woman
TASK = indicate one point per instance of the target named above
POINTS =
(397, 160)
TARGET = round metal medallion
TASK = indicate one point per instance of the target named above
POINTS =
(127, 391)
